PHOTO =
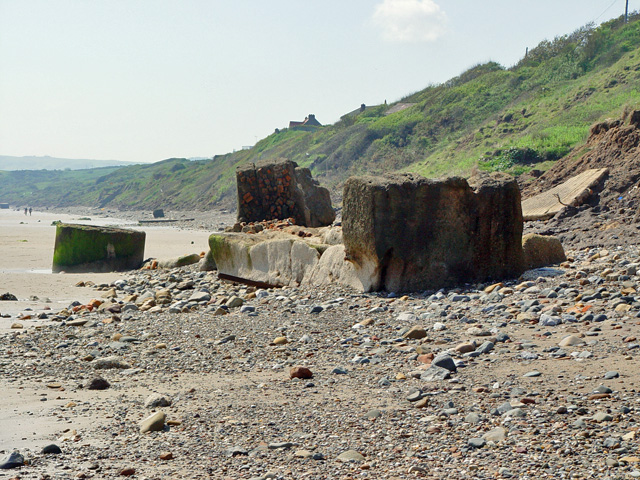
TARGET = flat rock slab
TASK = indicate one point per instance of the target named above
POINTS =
(572, 192)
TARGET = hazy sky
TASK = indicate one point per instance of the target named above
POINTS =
(146, 80)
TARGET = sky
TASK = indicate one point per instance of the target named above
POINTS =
(146, 80)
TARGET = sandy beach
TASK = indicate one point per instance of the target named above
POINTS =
(535, 377)
(26, 254)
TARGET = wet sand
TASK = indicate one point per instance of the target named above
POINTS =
(26, 255)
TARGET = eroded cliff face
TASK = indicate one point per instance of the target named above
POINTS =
(612, 144)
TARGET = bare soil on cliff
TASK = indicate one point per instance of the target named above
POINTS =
(611, 215)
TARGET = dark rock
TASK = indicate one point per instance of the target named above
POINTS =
(280, 445)
(444, 360)
(13, 460)
(300, 372)
(52, 449)
(98, 383)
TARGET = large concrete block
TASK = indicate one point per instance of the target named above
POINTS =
(85, 248)
(497, 213)
(279, 190)
(411, 233)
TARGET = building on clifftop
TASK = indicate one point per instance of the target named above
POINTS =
(309, 124)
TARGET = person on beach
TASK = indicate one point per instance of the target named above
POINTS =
(30, 211)
(25, 211)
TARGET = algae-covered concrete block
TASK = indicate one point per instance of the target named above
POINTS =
(86, 248)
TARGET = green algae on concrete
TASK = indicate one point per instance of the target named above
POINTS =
(87, 248)
(220, 248)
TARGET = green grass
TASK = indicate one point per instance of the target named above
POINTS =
(488, 117)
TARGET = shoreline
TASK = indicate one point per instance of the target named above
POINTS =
(26, 254)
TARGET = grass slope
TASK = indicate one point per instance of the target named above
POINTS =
(489, 117)
(51, 163)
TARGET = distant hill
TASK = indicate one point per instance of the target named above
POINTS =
(520, 120)
(9, 163)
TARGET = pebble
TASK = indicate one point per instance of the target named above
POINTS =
(477, 442)
(98, 383)
(153, 423)
(465, 347)
(407, 317)
(280, 445)
(488, 420)
(52, 449)
(235, 302)
(435, 373)
(13, 460)
(498, 434)
(602, 417)
(110, 363)
(416, 332)
(570, 341)
(351, 456)
(156, 400)
(444, 360)
(300, 372)
(473, 418)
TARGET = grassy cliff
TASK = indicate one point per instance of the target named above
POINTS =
(490, 117)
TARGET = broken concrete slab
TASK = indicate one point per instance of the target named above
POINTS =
(333, 268)
(284, 257)
(274, 258)
(573, 192)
